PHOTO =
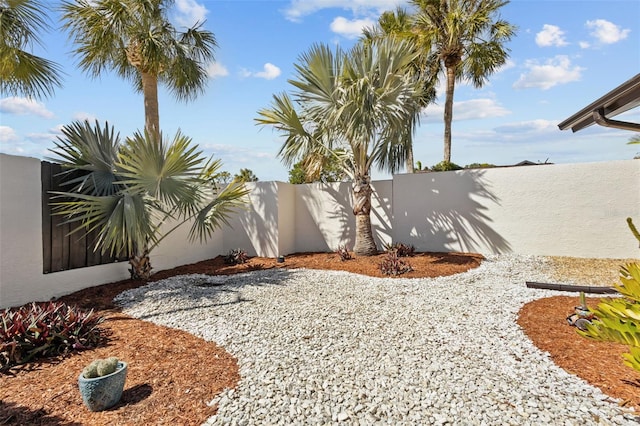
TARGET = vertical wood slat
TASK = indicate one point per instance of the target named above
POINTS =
(45, 178)
(60, 249)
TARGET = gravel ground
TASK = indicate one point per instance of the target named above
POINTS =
(324, 347)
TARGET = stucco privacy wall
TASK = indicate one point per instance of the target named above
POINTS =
(324, 218)
(265, 226)
(21, 277)
(573, 209)
(565, 209)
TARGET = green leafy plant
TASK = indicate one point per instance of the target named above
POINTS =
(445, 166)
(236, 257)
(618, 320)
(392, 264)
(401, 249)
(100, 367)
(343, 253)
(479, 166)
(47, 329)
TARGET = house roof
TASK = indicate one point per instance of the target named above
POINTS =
(621, 99)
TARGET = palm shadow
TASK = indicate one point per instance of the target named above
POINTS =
(449, 214)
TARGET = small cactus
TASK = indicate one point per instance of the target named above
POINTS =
(100, 367)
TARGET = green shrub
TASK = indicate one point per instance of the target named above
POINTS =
(392, 264)
(479, 166)
(445, 166)
(236, 257)
(42, 330)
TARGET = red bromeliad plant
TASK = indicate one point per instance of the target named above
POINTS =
(47, 329)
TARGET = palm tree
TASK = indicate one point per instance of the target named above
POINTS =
(354, 106)
(400, 24)
(135, 39)
(466, 41)
(20, 71)
(134, 194)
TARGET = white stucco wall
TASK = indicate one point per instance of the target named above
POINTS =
(255, 228)
(21, 276)
(566, 210)
(324, 215)
(571, 210)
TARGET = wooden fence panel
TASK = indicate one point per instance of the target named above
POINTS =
(62, 250)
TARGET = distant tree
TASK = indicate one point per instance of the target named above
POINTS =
(22, 73)
(135, 39)
(479, 166)
(317, 168)
(465, 40)
(245, 175)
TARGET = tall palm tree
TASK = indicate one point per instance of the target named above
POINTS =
(135, 39)
(22, 73)
(467, 40)
(400, 24)
(353, 105)
(134, 194)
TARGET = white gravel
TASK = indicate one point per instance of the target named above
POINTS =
(325, 347)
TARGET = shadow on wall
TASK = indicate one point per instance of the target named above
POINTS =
(381, 214)
(256, 230)
(448, 213)
(331, 215)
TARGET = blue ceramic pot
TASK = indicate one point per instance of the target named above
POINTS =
(103, 392)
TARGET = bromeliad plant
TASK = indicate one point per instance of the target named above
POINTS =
(343, 253)
(401, 249)
(618, 320)
(137, 192)
(393, 264)
(47, 329)
(236, 257)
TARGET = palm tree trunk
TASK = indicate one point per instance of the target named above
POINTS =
(140, 266)
(151, 111)
(409, 160)
(365, 244)
(448, 112)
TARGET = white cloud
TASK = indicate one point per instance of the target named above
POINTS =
(24, 106)
(550, 35)
(584, 44)
(269, 72)
(554, 71)
(84, 116)
(528, 127)
(466, 110)
(300, 8)
(216, 69)
(190, 12)
(350, 28)
(606, 32)
(7, 134)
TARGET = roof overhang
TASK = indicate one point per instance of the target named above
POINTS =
(621, 99)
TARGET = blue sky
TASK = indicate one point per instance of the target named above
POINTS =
(565, 55)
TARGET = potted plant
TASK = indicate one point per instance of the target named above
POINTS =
(101, 383)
